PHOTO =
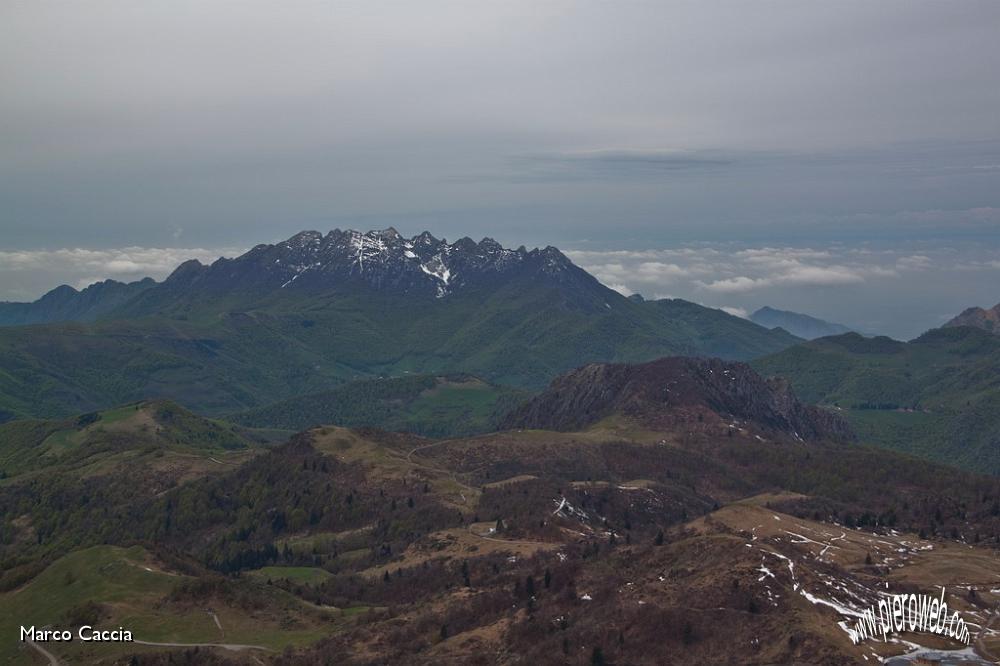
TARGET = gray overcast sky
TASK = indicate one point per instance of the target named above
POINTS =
(594, 126)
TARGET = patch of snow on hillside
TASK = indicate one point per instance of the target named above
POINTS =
(835, 605)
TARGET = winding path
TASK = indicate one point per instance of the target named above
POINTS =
(511, 541)
(53, 660)
(234, 647)
(409, 455)
(454, 477)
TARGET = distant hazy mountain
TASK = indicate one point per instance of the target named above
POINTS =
(67, 304)
(988, 320)
(798, 324)
(315, 311)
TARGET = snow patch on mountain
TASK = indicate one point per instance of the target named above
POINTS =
(436, 268)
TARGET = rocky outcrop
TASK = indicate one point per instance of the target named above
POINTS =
(666, 392)
(987, 320)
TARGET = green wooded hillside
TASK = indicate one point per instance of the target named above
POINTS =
(237, 352)
(937, 396)
(449, 406)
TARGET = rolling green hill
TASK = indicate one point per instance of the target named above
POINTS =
(448, 406)
(109, 587)
(114, 458)
(937, 396)
(91, 441)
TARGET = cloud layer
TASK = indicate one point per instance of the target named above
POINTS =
(122, 123)
(585, 125)
(895, 289)
(146, 261)
(26, 274)
(900, 290)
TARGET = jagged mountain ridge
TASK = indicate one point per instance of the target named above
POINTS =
(671, 391)
(383, 259)
(64, 303)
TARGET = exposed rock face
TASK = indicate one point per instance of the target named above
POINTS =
(381, 259)
(668, 391)
(988, 320)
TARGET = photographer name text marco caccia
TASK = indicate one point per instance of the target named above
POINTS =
(85, 633)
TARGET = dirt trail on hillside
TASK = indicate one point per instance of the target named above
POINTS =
(217, 622)
(511, 541)
(53, 660)
(233, 647)
(409, 459)
(454, 477)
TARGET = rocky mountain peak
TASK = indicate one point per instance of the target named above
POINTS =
(383, 259)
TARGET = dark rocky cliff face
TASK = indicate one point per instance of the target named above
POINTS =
(671, 391)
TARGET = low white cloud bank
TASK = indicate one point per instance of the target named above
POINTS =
(27, 274)
(794, 273)
(716, 270)
(899, 290)
(736, 312)
(128, 260)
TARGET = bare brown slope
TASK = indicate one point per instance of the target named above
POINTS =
(988, 320)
